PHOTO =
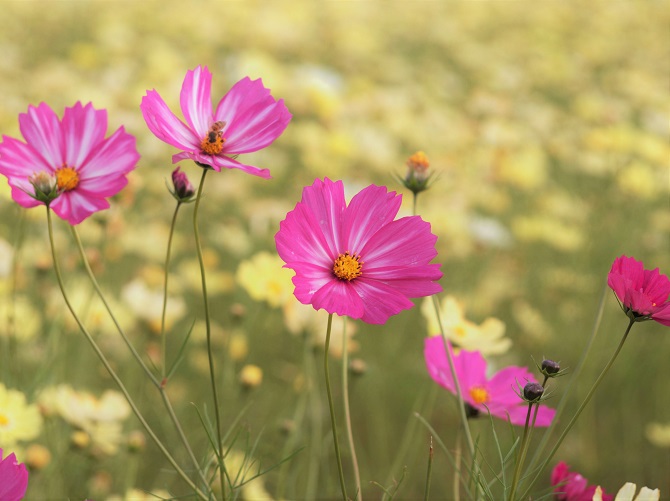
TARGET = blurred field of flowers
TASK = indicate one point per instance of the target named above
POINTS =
(547, 123)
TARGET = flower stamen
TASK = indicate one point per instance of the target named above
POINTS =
(212, 143)
(348, 266)
(479, 394)
(67, 178)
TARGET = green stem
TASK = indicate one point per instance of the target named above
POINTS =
(579, 410)
(459, 394)
(159, 386)
(332, 410)
(316, 411)
(111, 371)
(165, 291)
(522, 453)
(212, 376)
(429, 471)
(347, 414)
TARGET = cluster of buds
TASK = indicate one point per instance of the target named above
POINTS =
(417, 178)
(533, 392)
(183, 190)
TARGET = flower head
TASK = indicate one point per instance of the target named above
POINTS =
(183, 189)
(19, 420)
(417, 178)
(627, 493)
(644, 294)
(497, 395)
(73, 153)
(246, 119)
(355, 259)
(13, 478)
(571, 486)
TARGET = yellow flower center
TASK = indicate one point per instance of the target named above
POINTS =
(479, 394)
(4, 420)
(67, 178)
(212, 143)
(459, 330)
(348, 266)
(418, 162)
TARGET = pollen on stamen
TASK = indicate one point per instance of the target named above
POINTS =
(348, 266)
(67, 178)
(212, 143)
(479, 394)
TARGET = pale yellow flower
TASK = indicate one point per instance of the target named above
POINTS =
(658, 434)
(627, 493)
(488, 338)
(19, 420)
(264, 279)
(147, 304)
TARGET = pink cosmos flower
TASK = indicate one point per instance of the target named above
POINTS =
(13, 478)
(643, 294)
(571, 486)
(355, 259)
(497, 395)
(70, 155)
(246, 119)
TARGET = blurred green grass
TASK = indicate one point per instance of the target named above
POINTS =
(547, 122)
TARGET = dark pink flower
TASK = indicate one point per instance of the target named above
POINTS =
(571, 486)
(246, 119)
(13, 478)
(355, 259)
(644, 294)
(497, 395)
(73, 154)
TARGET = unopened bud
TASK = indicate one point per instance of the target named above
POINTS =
(37, 457)
(46, 187)
(549, 367)
(251, 376)
(136, 441)
(183, 189)
(532, 392)
(417, 178)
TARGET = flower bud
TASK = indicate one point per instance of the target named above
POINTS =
(550, 368)
(37, 457)
(136, 441)
(417, 177)
(251, 376)
(532, 392)
(46, 187)
(183, 189)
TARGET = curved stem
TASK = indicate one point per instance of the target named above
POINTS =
(111, 371)
(579, 410)
(165, 291)
(429, 470)
(160, 386)
(522, 453)
(332, 410)
(212, 375)
(347, 414)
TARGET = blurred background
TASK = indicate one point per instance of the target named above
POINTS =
(547, 127)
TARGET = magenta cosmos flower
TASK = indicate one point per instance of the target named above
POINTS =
(246, 119)
(497, 395)
(354, 259)
(644, 294)
(72, 155)
(13, 478)
(571, 486)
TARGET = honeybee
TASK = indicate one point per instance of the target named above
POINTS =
(215, 131)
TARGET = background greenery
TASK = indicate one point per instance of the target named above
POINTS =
(547, 122)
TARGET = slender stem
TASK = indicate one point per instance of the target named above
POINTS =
(111, 371)
(212, 376)
(347, 414)
(429, 470)
(416, 195)
(159, 386)
(457, 466)
(578, 369)
(579, 410)
(459, 394)
(522, 453)
(316, 411)
(332, 410)
(165, 291)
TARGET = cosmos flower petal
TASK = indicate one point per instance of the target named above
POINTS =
(84, 129)
(245, 94)
(115, 156)
(75, 206)
(470, 367)
(42, 130)
(309, 278)
(383, 301)
(403, 242)
(18, 159)
(256, 127)
(218, 162)
(410, 281)
(165, 125)
(337, 297)
(13, 478)
(196, 100)
(20, 190)
(662, 316)
(369, 210)
(300, 239)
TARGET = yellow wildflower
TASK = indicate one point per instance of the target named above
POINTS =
(19, 421)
